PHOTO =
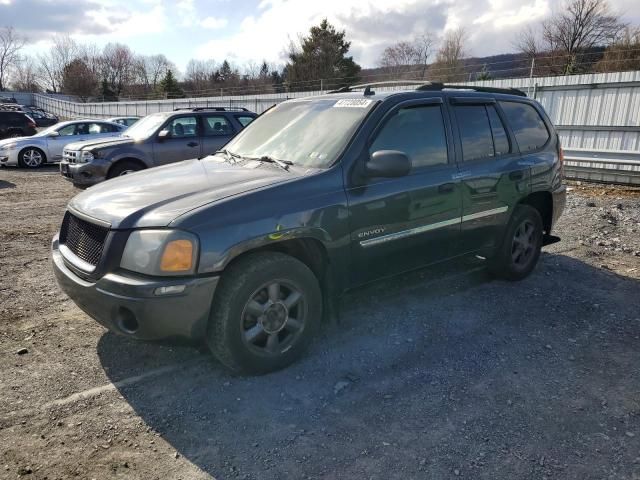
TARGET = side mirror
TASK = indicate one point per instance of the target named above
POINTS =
(54, 134)
(388, 164)
(164, 133)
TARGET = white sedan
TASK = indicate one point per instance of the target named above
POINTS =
(46, 146)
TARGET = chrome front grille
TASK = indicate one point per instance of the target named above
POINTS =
(69, 155)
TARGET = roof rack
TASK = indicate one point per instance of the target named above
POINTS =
(432, 86)
(425, 86)
(387, 83)
(215, 109)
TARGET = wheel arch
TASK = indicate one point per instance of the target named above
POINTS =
(542, 201)
(308, 250)
(33, 147)
(135, 160)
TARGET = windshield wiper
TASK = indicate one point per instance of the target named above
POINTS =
(230, 156)
(284, 164)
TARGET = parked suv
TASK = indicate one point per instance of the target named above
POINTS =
(15, 124)
(157, 139)
(247, 248)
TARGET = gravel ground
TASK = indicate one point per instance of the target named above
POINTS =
(442, 373)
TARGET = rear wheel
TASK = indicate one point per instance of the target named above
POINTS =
(15, 134)
(124, 167)
(518, 255)
(267, 309)
(31, 158)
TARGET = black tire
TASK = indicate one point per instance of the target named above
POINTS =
(518, 254)
(31, 157)
(232, 322)
(124, 167)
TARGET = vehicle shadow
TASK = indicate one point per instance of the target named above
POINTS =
(5, 184)
(431, 372)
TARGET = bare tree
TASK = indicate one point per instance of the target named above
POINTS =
(423, 45)
(52, 63)
(200, 74)
(449, 65)
(403, 56)
(569, 35)
(151, 69)
(25, 76)
(583, 25)
(118, 67)
(622, 55)
(10, 45)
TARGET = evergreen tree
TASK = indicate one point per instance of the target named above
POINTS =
(169, 86)
(323, 55)
(484, 74)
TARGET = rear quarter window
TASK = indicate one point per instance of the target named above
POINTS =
(527, 125)
(244, 119)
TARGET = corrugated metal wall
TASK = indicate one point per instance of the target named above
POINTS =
(593, 113)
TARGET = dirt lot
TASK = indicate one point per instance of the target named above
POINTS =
(440, 374)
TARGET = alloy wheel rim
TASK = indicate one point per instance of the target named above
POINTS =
(273, 318)
(126, 172)
(524, 243)
(32, 158)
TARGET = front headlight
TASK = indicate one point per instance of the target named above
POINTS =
(161, 252)
(86, 156)
(8, 146)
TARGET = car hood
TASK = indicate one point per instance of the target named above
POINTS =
(156, 197)
(101, 142)
(21, 140)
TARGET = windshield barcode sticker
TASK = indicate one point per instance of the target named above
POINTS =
(353, 103)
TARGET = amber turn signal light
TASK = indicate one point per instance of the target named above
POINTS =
(177, 256)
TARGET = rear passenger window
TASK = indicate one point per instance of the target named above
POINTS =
(216, 126)
(527, 125)
(418, 132)
(475, 132)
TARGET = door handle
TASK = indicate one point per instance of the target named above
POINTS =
(446, 188)
(460, 175)
(517, 175)
(192, 144)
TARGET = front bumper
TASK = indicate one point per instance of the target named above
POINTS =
(9, 157)
(83, 174)
(127, 304)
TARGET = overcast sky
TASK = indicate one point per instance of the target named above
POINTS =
(243, 30)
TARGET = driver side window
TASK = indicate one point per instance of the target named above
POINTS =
(68, 130)
(417, 131)
(183, 127)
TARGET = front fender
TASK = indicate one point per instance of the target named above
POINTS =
(129, 153)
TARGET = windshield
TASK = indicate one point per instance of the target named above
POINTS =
(47, 131)
(145, 127)
(309, 133)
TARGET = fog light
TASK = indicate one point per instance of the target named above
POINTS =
(171, 290)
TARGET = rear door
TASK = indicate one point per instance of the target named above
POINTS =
(182, 143)
(216, 131)
(493, 176)
(398, 224)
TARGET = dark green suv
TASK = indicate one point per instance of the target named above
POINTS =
(249, 247)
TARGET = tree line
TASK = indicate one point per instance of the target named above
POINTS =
(582, 36)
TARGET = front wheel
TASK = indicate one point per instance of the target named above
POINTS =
(124, 167)
(266, 311)
(31, 158)
(518, 254)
